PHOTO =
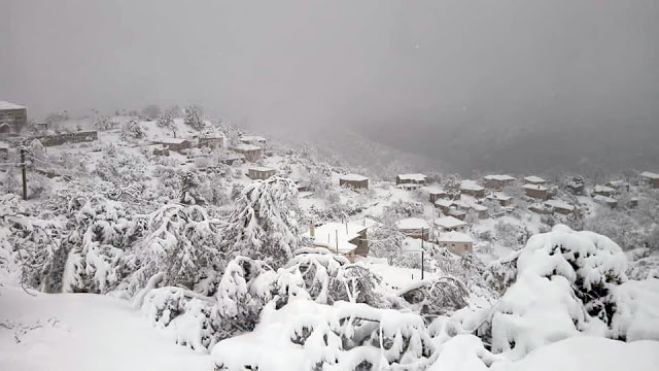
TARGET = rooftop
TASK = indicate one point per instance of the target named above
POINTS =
(534, 179)
(336, 235)
(470, 185)
(455, 237)
(247, 147)
(499, 177)
(560, 204)
(412, 223)
(353, 177)
(168, 140)
(417, 177)
(260, 168)
(650, 175)
(537, 187)
(8, 105)
(449, 222)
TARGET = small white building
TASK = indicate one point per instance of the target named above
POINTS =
(449, 223)
(414, 227)
(533, 179)
(348, 239)
(456, 242)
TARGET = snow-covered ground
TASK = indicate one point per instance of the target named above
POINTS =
(82, 332)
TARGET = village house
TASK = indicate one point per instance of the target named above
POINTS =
(559, 206)
(173, 144)
(354, 181)
(444, 205)
(211, 140)
(537, 191)
(347, 239)
(414, 227)
(532, 179)
(498, 181)
(449, 223)
(456, 242)
(260, 172)
(501, 198)
(436, 193)
(539, 208)
(13, 118)
(481, 211)
(605, 200)
(603, 190)
(410, 181)
(250, 152)
(651, 178)
(457, 213)
(471, 188)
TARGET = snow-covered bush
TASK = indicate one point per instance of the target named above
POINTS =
(183, 243)
(563, 287)
(441, 296)
(304, 335)
(264, 222)
(193, 117)
(132, 129)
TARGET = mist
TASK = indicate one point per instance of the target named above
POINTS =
(478, 85)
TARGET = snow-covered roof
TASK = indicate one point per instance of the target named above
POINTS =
(559, 204)
(499, 196)
(537, 187)
(470, 185)
(417, 177)
(499, 177)
(455, 237)
(650, 175)
(260, 168)
(603, 189)
(434, 190)
(478, 207)
(353, 177)
(412, 223)
(4, 145)
(247, 147)
(168, 140)
(449, 222)
(333, 235)
(604, 199)
(443, 203)
(533, 179)
(8, 105)
(252, 139)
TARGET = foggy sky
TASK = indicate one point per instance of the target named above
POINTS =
(371, 64)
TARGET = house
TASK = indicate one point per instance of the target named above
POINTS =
(173, 144)
(414, 227)
(260, 172)
(410, 181)
(498, 181)
(559, 206)
(251, 152)
(436, 193)
(500, 198)
(651, 178)
(457, 213)
(444, 205)
(211, 140)
(539, 208)
(348, 239)
(481, 210)
(537, 191)
(605, 200)
(449, 223)
(532, 179)
(13, 118)
(603, 190)
(354, 181)
(471, 188)
(230, 159)
(456, 242)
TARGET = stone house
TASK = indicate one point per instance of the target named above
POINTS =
(212, 141)
(449, 223)
(537, 191)
(347, 239)
(414, 227)
(533, 179)
(260, 172)
(410, 180)
(651, 178)
(603, 190)
(251, 152)
(559, 206)
(501, 198)
(456, 242)
(471, 188)
(13, 118)
(354, 181)
(173, 144)
(605, 200)
(498, 181)
(436, 193)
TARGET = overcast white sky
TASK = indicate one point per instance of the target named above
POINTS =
(322, 63)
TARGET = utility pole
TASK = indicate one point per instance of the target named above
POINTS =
(422, 255)
(24, 173)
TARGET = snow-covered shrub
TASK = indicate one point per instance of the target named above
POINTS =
(563, 287)
(511, 235)
(617, 225)
(188, 316)
(193, 117)
(385, 242)
(182, 243)
(132, 129)
(264, 222)
(304, 335)
(440, 296)
(401, 209)
(500, 274)
(121, 169)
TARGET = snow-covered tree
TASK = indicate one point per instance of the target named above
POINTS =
(264, 222)
(194, 117)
